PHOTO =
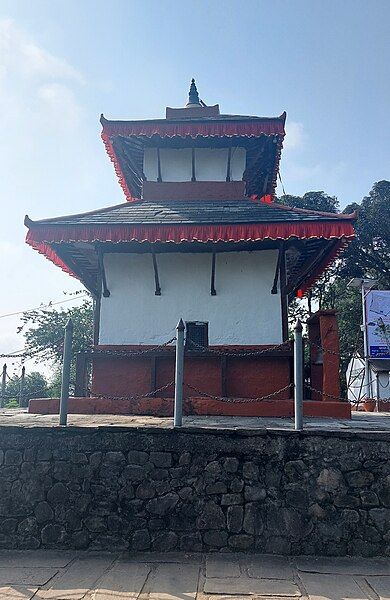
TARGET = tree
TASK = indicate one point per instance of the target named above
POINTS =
(369, 254)
(43, 330)
(312, 201)
(35, 386)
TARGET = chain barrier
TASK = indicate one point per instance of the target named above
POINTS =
(339, 398)
(238, 353)
(139, 397)
(126, 353)
(240, 400)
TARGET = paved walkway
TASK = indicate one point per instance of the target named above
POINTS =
(64, 575)
(361, 421)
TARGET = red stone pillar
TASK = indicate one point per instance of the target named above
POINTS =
(324, 364)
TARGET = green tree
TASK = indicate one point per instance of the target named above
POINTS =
(43, 330)
(312, 201)
(369, 254)
(35, 386)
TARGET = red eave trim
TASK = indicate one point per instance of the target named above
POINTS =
(177, 233)
(203, 128)
(118, 169)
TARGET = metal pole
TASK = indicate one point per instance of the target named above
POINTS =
(179, 370)
(298, 376)
(367, 383)
(66, 360)
(3, 385)
(21, 387)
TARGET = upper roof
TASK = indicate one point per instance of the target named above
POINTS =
(196, 125)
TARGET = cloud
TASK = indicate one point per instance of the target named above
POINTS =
(295, 135)
(20, 54)
(38, 89)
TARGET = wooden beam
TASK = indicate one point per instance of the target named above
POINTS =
(283, 294)
(213, 291)
(274, 289)
(309, 265)
(156, 278)
(84, 277)
(228, 167)
(159, 178)
(193, 176)
(106, 291)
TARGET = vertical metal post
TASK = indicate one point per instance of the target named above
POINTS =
(3, 385)
(298, 376)
(367, 375)
(66, 360)
(179, 371)
(21, 387)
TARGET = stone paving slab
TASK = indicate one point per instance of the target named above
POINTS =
(35, 558)
(249, 587)
(74, 582)
(361, 421)
(332, 587)
(344, 565)
(26, 575)
(222, 566)
(175, 576)
(269, 567)
(122, 581)
(174, 582)
(381, 586)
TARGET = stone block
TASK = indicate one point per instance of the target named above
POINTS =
(235, 515)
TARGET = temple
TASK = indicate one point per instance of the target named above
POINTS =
(199, 237)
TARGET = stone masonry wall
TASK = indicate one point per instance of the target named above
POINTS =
(195, 490)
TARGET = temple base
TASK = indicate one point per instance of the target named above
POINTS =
(163, 407)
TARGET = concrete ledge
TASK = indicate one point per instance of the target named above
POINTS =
(163, 407)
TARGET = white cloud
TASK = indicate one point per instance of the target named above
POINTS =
(38, 89)
(295, 135)
(20, 54)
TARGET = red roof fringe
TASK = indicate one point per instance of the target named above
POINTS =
(202, 128)
(190, 233)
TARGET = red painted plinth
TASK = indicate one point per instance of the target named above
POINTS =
(163, 407)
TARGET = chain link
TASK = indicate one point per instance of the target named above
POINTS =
(139, 397)
(240, 400)
(339, 398)
(126, 353)
(238, 353)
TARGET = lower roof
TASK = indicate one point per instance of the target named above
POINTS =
(311, 239)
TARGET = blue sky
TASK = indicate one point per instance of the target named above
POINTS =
(63, 62)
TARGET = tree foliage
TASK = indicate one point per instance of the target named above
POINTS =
(312, 201)
(43, 330)
(367, 256)
(35, 386)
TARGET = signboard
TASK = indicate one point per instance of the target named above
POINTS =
(378, 323)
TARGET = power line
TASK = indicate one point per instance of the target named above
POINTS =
(48, 305)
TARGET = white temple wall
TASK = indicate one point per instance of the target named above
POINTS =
(210, 164)
(243, 312)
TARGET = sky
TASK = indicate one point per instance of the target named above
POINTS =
(63, 62)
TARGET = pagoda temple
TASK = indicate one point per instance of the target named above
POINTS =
(199, 237)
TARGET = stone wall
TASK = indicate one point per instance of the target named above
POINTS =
(156, 489)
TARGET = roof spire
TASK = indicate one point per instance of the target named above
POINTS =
(193, 96)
